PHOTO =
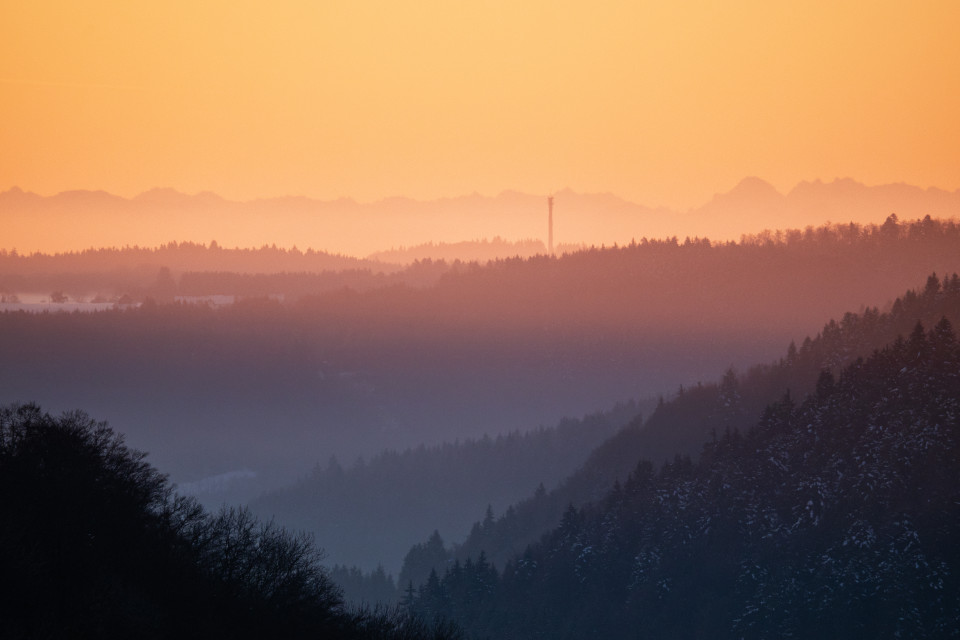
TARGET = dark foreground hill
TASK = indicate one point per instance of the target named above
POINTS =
(94, 544)
(835, 517)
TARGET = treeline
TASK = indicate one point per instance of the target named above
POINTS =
(361, 589)
(441, 486)
(180, 257)
(682, 423)
(793, 278)
(293, 286)
(94, 543)
(141, 272)
(671, 272)
(834, 517)
(480, 251)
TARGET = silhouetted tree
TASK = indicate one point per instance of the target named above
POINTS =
(94, 543)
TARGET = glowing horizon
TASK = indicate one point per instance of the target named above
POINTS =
(660, 105)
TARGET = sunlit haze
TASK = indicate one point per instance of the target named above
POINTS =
(462, 319)
(663, 104)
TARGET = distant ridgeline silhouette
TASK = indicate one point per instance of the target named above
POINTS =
(481, 251)
(191, 271)
(32, 222)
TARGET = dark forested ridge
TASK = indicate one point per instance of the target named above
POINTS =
(682, 424)
(837, 516)
(95, 544)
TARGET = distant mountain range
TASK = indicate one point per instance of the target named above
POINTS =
(75, 220)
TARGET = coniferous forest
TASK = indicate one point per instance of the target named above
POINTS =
(835, 515)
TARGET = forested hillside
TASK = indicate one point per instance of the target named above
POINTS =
(190, 269)
(833, 516)
(95, 544)
(684, 422)
(438, 487)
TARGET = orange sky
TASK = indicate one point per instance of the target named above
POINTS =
(663, 103)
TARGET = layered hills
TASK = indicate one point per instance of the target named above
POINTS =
(835, 515)
(76, 220)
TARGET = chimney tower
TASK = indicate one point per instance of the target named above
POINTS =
(550, 224)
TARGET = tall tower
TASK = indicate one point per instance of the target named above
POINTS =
(550, 224)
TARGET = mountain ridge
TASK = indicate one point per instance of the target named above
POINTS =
(78, 219)
(748, 183)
